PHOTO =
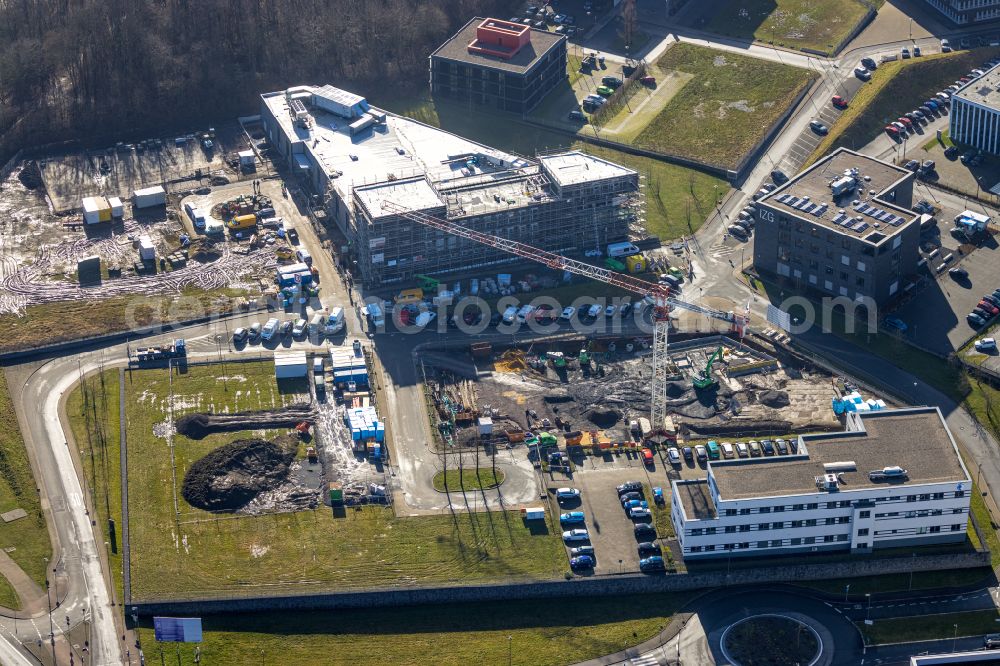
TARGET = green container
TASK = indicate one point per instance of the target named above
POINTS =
(336, 494)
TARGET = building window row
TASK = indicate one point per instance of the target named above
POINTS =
(769, 543)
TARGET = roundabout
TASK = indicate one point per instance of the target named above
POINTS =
(771, 640)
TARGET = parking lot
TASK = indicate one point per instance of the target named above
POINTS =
(935, 312)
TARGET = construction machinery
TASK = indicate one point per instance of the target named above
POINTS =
(657, 294)
(427, 283)
(704, 380)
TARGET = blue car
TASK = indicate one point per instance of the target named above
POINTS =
(571, 517)
(582, 562)
(654, 563)
(896, 323)
(635, 504)
(658, 495)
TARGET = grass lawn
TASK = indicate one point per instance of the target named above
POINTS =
(797, 24)
(195, 552)
(895, 88)
(725, 109)
(678, 200)
(480, 478)
(72, 320)
(536, 633)
(929, 627)
(27, 537)
(922, 580)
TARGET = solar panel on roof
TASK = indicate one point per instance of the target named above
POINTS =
(783, 197)
(791, 201)
(808, 208)
(840, 217)
(861, 227)
(896, 221)
(859, 207)
(822, 208)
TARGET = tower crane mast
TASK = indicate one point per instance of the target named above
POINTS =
(660, 294)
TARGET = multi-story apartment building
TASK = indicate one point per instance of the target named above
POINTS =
(842, 227)
(967, 12)
(499, 64)
(975, 113)
(893, 478)
(362, 160)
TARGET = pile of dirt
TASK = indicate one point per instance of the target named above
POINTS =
(233, 475)
(775, 399)
(31, 176)
(199, 425)
(677, 389)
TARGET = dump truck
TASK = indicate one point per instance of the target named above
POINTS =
(159, 354)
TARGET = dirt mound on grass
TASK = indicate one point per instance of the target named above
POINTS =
(196, 426)
(775, 399)
(231, 476)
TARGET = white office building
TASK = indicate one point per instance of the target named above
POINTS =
(975, 113)
(892, 479)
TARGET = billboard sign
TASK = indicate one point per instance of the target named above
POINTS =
(177, 629)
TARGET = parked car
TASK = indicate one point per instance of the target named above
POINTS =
(611, 81)
(701, 452)
(959, 273)
(891, 131)
(767, 446)
(639, 512)
(754, 447)
(818, 127)
(673, 456)
(577, 115)
(647, 456)
(567, 313)
(905, 53)
(986, 344)
(727, 450)
(779, 177)
(572, 518)
(869, 63)
(633, 496)
(648, 81)
(652, 563)
(648, 548)
(923, 206)
(782, 446)
(741, 450)
(581, 550)
(299, 328)
(285, 328)
(839, 102)
(240, 335)
(567, 493)
(629, 487)
(975, 320)
(270, 328)
(907, 123)
(989, 307)
(862, 73)
(912, 165)
(255, 330)
(635, 504)
(896, 323)
(950, 152)
(578, 534)
(582, 562)
(916, 52)
(644, 529)
(688, 454)
(900, 126)
(605, 91)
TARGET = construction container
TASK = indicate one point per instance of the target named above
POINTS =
(96, 209)
(533, 513)
(485, 425)
(290, 365)
(247, 158)
(117, 208)
(336, 493)
(636, 263)
(147, 251)
(149, 197)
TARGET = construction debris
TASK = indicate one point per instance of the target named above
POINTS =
(199, 425)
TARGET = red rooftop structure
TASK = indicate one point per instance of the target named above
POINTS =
(502, 39)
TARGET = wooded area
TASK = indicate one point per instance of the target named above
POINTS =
(103, 69)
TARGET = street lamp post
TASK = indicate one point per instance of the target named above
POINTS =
(913, 563)
(868, 613)
(954, 637)
(846, 590)
(510, 650)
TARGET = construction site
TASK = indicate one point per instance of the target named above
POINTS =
(595, 393)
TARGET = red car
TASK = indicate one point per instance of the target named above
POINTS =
(648, 80)
(989, 307)
(891, 131)
(839, 102)
(647, 457)
(906, 121)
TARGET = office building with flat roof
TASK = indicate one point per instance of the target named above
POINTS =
(893, 478)
(364, 162)
(843, 227)
(975, 113)
(967, 12)
(498, 64)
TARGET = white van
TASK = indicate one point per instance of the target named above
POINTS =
(595, 311)
(270, 328)
(335, 322)
(375, 315)
(509, 314)
(304, 256)
(524, 313)
(617, 250)
(317, 324)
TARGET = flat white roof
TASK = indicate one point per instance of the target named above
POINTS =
(575, 167)
(415, 194)
(338, 95)
(290, 358)
(155, 189)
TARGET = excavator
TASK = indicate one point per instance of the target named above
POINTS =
(704, 381)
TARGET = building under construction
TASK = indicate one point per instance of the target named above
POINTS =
(366, 162)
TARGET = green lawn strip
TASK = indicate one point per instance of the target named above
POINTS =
(922, 580)
(202, 553)
(26, 539)
(92, 410)
(986, 523)
(798, 24)
(896, 88)
(930, 627)
(945, 141)
(725, 109)
(71, 320)
(479, 478)
(678, 200)
(8, 595)
(535, 633)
